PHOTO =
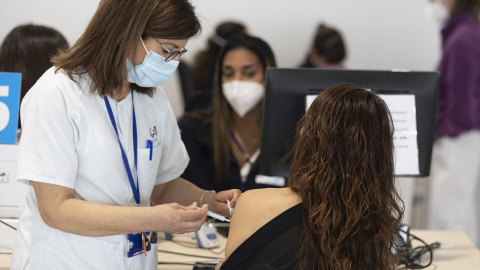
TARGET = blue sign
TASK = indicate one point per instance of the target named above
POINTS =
(9, 106)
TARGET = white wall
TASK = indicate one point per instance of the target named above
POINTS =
(380, 34)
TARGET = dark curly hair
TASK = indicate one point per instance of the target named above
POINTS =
(343, 170)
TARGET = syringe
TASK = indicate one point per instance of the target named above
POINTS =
(214, 215)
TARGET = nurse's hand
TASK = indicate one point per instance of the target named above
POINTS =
(218, 201)
(175, 218)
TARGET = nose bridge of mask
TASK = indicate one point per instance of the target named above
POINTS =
(156, 58)
(237, 88)
(153, 71)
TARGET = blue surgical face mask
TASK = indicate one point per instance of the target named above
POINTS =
(153, 71)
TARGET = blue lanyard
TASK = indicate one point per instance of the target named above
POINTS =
(135, 190)
(245, 154)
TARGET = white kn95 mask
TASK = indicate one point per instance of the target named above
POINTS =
(437, 12)
(243, 95)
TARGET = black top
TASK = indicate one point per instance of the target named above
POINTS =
(197, 137)
(273, 246)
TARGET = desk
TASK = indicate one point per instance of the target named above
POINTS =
(187, 245)
(458, 251)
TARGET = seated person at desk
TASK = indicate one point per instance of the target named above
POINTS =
(223, 141)
(328, 50)
(27, 49)
(340, 209)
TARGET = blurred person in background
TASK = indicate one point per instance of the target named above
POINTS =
(454, 195)
(328, 49)
(27, 49)
(223, 141)
(203, 67)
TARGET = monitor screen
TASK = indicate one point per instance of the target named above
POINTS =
(288, 92)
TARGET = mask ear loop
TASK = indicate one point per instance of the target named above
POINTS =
(144, 45)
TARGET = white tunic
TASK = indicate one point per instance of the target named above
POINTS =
(68, 140)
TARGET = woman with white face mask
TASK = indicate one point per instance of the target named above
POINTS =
(223, 141)
(454, 196)
(101, 153)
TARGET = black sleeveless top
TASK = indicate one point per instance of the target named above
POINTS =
(273, 246)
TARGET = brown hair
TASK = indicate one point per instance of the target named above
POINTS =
(114, 32)
(222, 112)
(466, 6)
(328, 42)
(343, 170)
(27, 49)
(203, 68)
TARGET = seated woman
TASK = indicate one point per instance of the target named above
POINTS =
(340, 209)
(223, 141)
(328, 50)
(27, 49)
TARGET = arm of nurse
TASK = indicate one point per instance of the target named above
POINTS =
(60, 210)
(184, 192)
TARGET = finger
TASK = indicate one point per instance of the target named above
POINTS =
(189, 226)
(190, 214)
(187, 222)
(231, 195)
(182, 207)
(192, 206)
(235, 195)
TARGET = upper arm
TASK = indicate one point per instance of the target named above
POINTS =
(47, 146)
(50, 197)
(245, 221)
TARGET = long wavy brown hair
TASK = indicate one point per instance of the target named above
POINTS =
(343, 170)
(114, 33)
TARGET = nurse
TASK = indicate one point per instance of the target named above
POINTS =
(101, 153)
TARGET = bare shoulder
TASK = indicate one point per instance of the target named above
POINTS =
(254, 209)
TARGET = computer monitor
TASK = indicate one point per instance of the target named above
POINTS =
(285, 103)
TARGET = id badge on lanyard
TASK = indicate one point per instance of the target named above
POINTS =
(138, 243)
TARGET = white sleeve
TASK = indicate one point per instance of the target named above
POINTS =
(47, 145)
(174, 158)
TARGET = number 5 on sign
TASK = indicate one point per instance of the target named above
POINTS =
(9, 106)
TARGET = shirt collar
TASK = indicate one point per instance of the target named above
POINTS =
(456, 20)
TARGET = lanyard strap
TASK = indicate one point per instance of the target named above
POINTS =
(135, 189)
(246, 156)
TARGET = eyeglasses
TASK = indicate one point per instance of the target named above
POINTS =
(171, 54)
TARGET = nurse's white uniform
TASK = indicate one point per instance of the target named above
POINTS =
(68, 140)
